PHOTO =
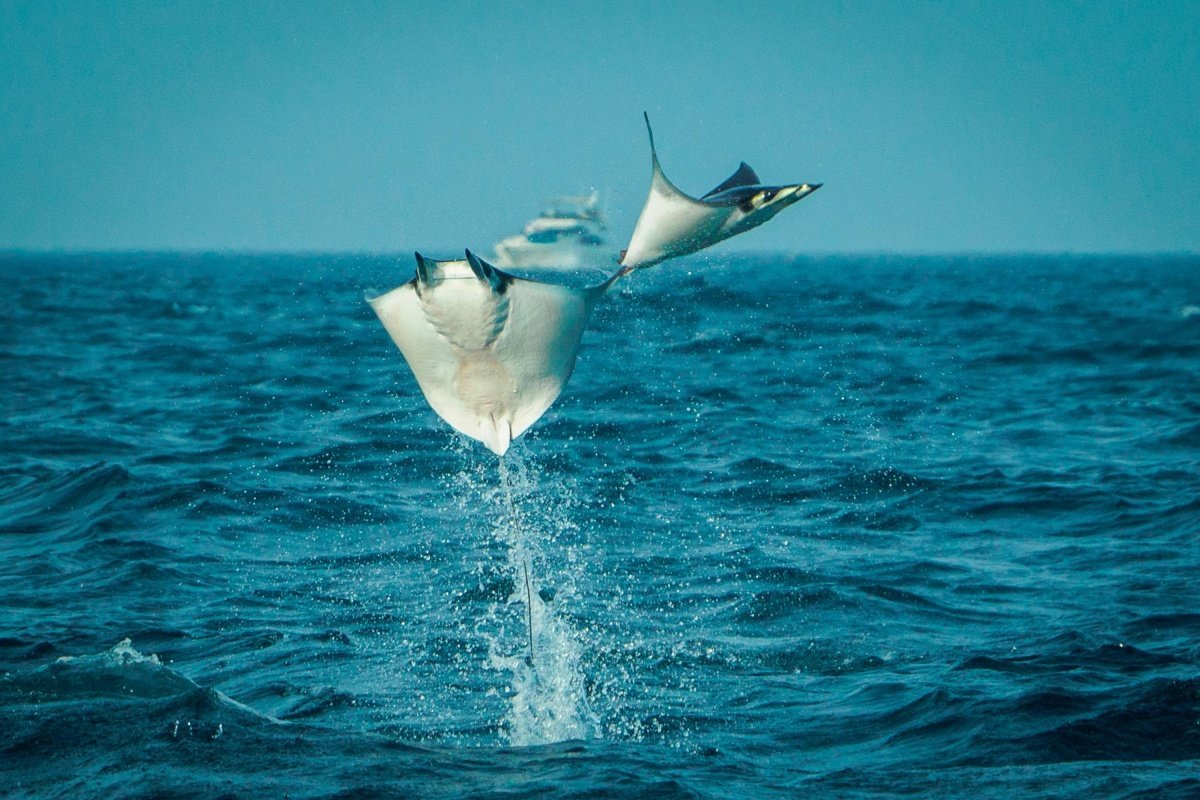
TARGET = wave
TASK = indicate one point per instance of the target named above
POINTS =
(1154, 721)
(121, 672)
(41, 500)
(1073, 653)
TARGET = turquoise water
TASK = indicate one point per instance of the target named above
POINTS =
(831, 527)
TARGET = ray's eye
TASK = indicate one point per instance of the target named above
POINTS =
(768, 196)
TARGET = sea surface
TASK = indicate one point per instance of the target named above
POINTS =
(821, 527)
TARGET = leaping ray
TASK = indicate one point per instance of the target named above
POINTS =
(673, 223)
(490, 351)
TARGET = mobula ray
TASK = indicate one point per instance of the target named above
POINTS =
(490, 351)
(673, 223)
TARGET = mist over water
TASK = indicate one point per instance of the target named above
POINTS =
(841, 527)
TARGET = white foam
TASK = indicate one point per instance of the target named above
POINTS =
(547, 693)
(121, 654)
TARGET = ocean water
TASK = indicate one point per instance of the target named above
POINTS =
(819, 527)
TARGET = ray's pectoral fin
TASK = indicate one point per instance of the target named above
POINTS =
(671, 223)
(743, 176)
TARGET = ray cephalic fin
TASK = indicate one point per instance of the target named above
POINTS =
(499, 281)
(430, 273)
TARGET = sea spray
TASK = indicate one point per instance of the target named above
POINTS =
(587, 678)
(548, 698)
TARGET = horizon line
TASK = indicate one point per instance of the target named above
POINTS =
(405, 253)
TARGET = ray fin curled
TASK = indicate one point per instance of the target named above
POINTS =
(743, 176)
(672, 222)
(429, 273)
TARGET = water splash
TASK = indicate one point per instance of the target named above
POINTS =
(538, 648)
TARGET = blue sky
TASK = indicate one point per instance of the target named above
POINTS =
(997, 126)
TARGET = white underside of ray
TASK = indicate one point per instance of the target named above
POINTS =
(672, 224)
(489, 363)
